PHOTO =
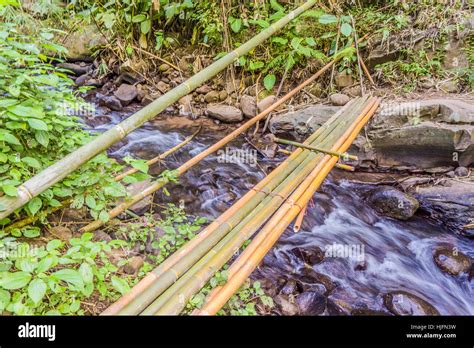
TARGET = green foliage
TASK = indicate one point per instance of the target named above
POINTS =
(57, 278)
(38, 126)
(166, 235)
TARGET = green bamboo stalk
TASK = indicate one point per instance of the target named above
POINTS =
(317, 149)
(168, 276)
(176, 297)
(58, 171)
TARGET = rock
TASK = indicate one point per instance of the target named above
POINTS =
(452, 261)
(203, 89)
(311, 303)
(353, 91)
(61, 232)
(393, 203)
(248, 105)
(290, 288)
(302, 122)
(286, 307)
(143, 205)
(82, 43)
(133, 265)
(212, 97)
(461, 171)
(126, 93)
(310, 256)
(74, 215)
(223, 95)
(404, 303)
(266, 102)
(339, 99)
(101, 236)
(112, 102)
(76, 69)
(450, 86)
(422, 135)
(225, 113)
(185, 105)
(163, 87)
(344, 79)
(81, 80)
(164, 67)
(452, 203)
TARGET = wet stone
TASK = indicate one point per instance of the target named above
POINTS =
(391, 202)
(452, 261)
(311, 303)
(126, 93)
(404, 303)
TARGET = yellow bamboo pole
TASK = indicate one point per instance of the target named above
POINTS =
(299, 219)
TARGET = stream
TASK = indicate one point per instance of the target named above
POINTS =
(388, 255)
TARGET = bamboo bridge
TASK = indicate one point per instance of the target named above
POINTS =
(264, 212)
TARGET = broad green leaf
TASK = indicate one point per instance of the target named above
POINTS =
(86, 273)
(141, 166)
(45, 264)
(327, 19)
(10, 190)
(120, 285)
(14, 280)
(31, 232)
(138, 18)
(70, 276)
(236, 25)
(37, 290)
(42, 137)
(37, 124)
(4, 299)
(26, 111)
(346, 29)
(32, 162)
(9, 138)
(90, 201)
(53, 244)
(145, 26)
(34, 205)
(269, 81)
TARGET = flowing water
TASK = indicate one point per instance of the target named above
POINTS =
(397, 255)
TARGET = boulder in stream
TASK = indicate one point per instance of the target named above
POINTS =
(225, 113)
(450, 260)
(301, 123)
(311, 303)
(391, 202)
(404, 303)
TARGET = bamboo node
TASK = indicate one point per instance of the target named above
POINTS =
(121, 131)
(188, 87)
(26, 191)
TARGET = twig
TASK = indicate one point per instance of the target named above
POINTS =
(358, 57)
(159, 58)
(335, 52)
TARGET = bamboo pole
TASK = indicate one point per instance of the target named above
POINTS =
(299, 219)
(263, 242)
(174, 299)
(345, 167)
(317, 149)
(159, 157)
(58, 171)
(196, 159)
(129, 304)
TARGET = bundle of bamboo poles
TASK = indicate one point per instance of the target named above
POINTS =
(167, 289)
(241, 269)
(58, 171)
